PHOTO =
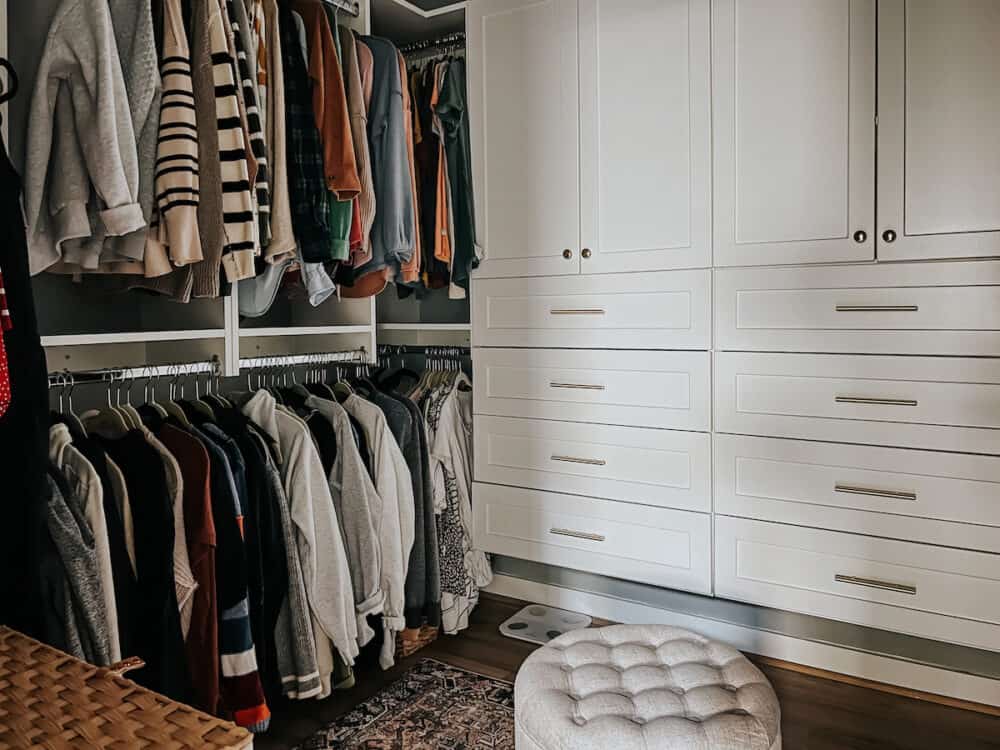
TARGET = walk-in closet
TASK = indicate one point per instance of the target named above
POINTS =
(500, 374)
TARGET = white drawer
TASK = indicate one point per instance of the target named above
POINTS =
(935, 592)
(939, 498)
(669, 548)
(921, 308)
(641, 389)
(662, 310)
(936, 403)
(654, 467)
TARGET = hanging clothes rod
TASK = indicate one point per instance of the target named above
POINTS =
(178, 369)
(456, 39)
(348, 6)
(430, 351)
(358, 356)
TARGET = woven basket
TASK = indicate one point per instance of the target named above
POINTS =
(51, 700)
(411, 640)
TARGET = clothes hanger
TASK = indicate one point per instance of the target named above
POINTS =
(107, 421)
(74, 422)
(171, 407)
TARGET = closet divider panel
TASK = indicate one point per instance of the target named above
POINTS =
(645, 135)
(524, 116)
(794, 131)
(938, 151)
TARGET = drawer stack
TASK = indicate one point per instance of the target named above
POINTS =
(596, 458)
(857, 445)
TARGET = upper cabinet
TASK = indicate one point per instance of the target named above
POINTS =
(939, 114)
(591, 130)
(794, 117)
(524, 95)
(645, 134)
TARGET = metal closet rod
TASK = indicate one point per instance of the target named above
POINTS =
(431, 351)
(455, 38)
(110, 374)
(348, 6)
(356, 356)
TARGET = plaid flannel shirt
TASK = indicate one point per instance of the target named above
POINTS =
(306, 175)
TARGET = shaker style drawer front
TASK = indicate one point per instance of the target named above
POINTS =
(663, 310)
(941, 309)
(936, 498)
(936, 592)
(664, 468)
(934, 403)
(640, 389)
(667, 548)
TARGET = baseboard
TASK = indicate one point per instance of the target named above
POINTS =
(929, 680)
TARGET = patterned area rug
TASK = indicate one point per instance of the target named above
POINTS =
(434, 706)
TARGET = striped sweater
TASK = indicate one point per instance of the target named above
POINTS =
(246, 66)
(239, 219)
(177, 182)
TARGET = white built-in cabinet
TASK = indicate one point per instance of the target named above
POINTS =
(939, 114)
(794, 118)
(591, 132)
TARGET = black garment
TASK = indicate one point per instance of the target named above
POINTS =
(121, 565)
(453, 111)
(267, 570)
(24, 429)
(326, 439)
(359, 436)
(157, 630)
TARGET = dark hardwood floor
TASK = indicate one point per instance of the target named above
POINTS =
(817, 713)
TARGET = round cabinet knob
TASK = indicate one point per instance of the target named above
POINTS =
(567, 253)
(586, 252)
(860, 236)
(889, 235)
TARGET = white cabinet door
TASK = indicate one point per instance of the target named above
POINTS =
(645, 134)
(524, 115)
(794, 131)
(938, 149)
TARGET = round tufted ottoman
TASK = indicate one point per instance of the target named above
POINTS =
(643, 686)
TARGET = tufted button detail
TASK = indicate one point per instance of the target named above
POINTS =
(647, 680)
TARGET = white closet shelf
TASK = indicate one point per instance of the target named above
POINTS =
(424, 326)
(135, 337)
(257, 333)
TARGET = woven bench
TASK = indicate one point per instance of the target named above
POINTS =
(51, 700)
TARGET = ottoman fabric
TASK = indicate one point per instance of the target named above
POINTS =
(643, 686)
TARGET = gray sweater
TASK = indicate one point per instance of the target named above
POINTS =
(357, 504)
(80, 122)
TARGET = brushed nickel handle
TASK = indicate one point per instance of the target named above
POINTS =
(874, 583)
(876, 401)
(567, 253)
(574, 460)
(578, 311)
(889, 235)
(850, 489)
(578, 534)
(577, 386)
(860, 236)
(878, 308)
(586, 252)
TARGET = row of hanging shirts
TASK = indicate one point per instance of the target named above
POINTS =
(247, 546)
(178, 146)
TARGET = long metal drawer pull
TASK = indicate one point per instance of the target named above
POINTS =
(878, 308)
(577, 534)
(874, 583)
(875, 401)
(587, 461)
(577, 386)
(850, 489)
(580, 311)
